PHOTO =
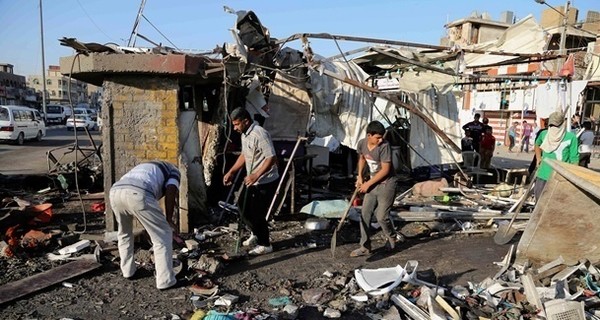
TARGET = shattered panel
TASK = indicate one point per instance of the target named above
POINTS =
(289, 110)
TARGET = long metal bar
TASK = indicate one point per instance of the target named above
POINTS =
(44, 108)
(402, 43)
(287, 167)
(416, 63)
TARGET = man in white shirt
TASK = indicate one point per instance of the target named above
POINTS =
(586, 140)
(136, 194)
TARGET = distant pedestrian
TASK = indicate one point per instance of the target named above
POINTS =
(476, 128)
(136, 194)
(586, 140)
(555, 143)
(486, 125)
(512, 136)
(466, 143)
(487, 147)
(525, 134)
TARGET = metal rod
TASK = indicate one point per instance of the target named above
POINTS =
(401, 43)
(44, 108)
(287, 167)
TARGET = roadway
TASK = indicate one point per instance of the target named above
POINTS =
(30, 158)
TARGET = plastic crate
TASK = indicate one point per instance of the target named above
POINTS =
(564, 310)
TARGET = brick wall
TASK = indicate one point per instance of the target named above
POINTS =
(140, 123)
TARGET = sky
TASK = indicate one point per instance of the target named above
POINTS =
(203, 24)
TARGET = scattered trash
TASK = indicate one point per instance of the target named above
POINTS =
(76, 247)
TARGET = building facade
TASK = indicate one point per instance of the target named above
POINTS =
(13, 88)
(57, 87)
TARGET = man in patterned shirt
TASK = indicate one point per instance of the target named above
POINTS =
(258, 157)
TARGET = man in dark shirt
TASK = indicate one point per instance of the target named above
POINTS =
(476, 128)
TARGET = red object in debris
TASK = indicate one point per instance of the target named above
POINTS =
(35, 238)
(98, 207)
(568, 69)
(45, 213)
(357, 202)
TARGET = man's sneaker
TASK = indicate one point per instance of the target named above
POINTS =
(250, 241)
(258, 250)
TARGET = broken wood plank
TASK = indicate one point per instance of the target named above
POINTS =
(23, 287)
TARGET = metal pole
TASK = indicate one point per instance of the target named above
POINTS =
(563, 35)
(134, 32)
(43, 65)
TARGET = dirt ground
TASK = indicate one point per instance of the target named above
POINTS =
(296, 267)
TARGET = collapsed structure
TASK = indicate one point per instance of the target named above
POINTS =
(165, 104)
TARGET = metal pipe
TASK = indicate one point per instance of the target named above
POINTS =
(44, 108)
(287, 167)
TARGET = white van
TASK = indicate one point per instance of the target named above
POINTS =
(56, 114)
(18, 123)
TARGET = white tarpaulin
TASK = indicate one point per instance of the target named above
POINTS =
(553, 95)
(442, 110)
(340, 109)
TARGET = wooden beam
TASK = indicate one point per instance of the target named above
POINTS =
(17, 289)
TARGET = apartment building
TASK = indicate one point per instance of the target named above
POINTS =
(57, 87)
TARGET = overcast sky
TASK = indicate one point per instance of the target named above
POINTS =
(203, 24)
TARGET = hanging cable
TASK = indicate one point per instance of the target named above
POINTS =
(76, 147)
(155, 28)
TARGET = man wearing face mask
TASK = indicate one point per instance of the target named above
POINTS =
(555, 143)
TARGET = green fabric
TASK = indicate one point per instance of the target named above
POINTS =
(568, 150)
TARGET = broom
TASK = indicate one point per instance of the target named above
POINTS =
(339, 226)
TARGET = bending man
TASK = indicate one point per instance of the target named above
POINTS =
(136, 194)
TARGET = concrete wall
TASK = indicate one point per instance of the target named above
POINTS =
(490, 33)
(140, 123)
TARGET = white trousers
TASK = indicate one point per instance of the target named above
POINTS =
(129, 203)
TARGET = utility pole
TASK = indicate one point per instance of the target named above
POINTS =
(43, 65)
(563, 35)
(134, 32)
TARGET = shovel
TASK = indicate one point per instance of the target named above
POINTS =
(339, 226)
(506, 232)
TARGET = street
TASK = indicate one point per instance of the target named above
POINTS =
(30, 158)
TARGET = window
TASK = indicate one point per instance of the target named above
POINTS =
(504, 100)
(4, 114)
(49, 82)
(36, 81)
(53, 93)
(59, 82)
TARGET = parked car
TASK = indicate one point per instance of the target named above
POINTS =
(56, 113)
(18, 123)
(84, 111)
(81, 121)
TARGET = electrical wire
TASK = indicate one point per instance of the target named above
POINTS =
(155, 28)
(76, 148)
(93, 22)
